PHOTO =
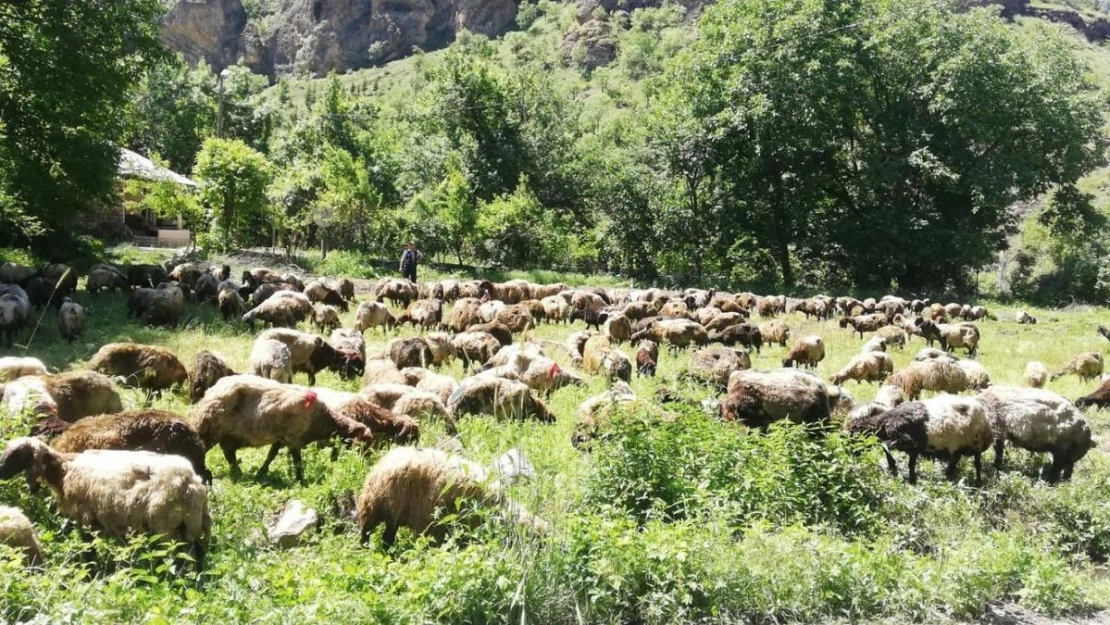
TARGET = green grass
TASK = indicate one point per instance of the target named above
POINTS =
(690, 520)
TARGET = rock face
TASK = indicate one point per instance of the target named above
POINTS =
(318, 36)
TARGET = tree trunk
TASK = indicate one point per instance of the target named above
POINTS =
(783, 256)
(323, 245)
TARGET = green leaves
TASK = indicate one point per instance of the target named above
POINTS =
(233, 180)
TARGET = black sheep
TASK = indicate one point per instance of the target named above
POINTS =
(592, 318)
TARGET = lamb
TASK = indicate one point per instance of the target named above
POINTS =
(941, 375)
(618, 328)
(475, 347)
(947, 426)
(775, 331)
(158, 431)
(464, 314)
(757, 398)
(1025, 318)
(874, 344)
(208, 368)
(348, 340)
(312, 354)
(15, 313)
(715, 364)
(15, 367)
(248, 411)
(977, 376)
(807, 352)
(498, 397)
(153, 369)
(411, 487)
(592, 319)
(1038, 421)
(647, 355)
(865, 367)
(325, 318)
(1036, 374)
(373, 315)
(17, 532)
(1087, 366)
(599, 357)
(951, 336)
(119, 492)
(319, 292)
(864, 323)
(271, 359)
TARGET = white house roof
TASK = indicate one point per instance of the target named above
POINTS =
(134, 165)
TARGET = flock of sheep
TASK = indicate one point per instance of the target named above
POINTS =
(144, 471)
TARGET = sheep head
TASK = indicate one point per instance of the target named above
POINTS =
(33, 457)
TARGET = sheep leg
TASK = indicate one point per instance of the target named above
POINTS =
(952, 469)
(978, 469)
(298, 463)
(1051, 473)
(999, 446)
(389, 536)
(913, 468)
(199, 555)
(269, 458)
(311, 377)
(232, 461)
(891, 463)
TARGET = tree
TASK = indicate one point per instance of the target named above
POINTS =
(233, 180)
(174, 111)
(167, 200)
(67, 71)
(348, 200)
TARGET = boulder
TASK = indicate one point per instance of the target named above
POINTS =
(292, 522)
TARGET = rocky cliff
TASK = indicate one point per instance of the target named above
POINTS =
(318, 36)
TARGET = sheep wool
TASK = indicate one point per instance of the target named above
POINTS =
(1039, 421)
(17, 532)
(1035, 375)
(15, 367)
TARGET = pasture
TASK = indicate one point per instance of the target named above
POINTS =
(681, 521)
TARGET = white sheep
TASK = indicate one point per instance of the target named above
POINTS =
(1036, 374)
(1039, 421)
(15, 367)
(17, 532)
(865, 367)
(271, 359)
(373, 315)
(119, 492)
(874, 344)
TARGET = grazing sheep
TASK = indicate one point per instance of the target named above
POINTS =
(17, 532)
(475, 347)
(937, 313)
(977, 376)
(418, 404)
(939, 375)
(205, 289)
(583, 300)
(931, 353)
(576, 344)
(807, 352)
(15, 313)
(865, 367)
(539, 372)
(158, 431)
(423, 313)
(516, 318)
(348, 340)
(1038, 421)
(146, 276)
(864, 323)
(248, 411)
(13, 273)
(592, 319)
(498, 330)
(1036, 374)
(347, 289)
(874, 344)
(208, 368)
(721, 321)
(439, 385)
(599, 357)
(106, 278)
(153, 369)
(465, 313)
(385, 395)
(618, 328)
(410, 351)
(443, 350)
(325, 318)
(318, 292)
(715, 364)
(893, 335)
(745, 334)
(589, 413)
(555, 309)
(398, 292)
(271, 359)
(312, 354)
(354, 408)
(230, 304)
(499, 397)
(775, 331)
(758, 398)
(647, 355)
(414, 488)
(282, 309)
(68, 396)
(15, 367)
(373, 315)
(678, 333)
(951, 336)
(1087, 366)
(119, 492)
(159, 306)
(1025, 318)
(947, 427)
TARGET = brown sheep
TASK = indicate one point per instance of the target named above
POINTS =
(599, 357)
(775, 331)
(618, 328)
(1087, 366)
(15, 313)
(498, 397)
(679, 333)
(153, 369)
(939, 375)
(516, 318)
(758, 398)
(348, 340)
(382, 423)
(398, 292)
(864, 323)
(325, 318)
(424, 313)
(107, 278)
(499, 331)
(475, 347)
(866, 367)
(647, 357)
(715, 364)
(248, 411)
(15, 367)
(555, 309)
(414, 488)
(208, 368)
(230, 304)
(79, 394)
(411, 351)
(807, 352)
(347, 289)
(312, 354)
(158, 431)
(464, 314)
(318, 292)
(283, 309)
(893, 335)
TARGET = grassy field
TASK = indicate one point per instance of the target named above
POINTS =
(691, 520)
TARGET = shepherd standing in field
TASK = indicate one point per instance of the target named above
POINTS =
(409, 258)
